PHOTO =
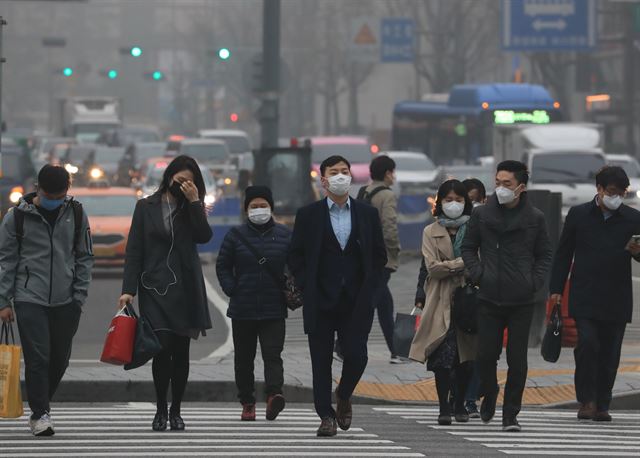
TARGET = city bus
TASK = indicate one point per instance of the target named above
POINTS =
(457, 127)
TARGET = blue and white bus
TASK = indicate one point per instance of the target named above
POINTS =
(457, 127)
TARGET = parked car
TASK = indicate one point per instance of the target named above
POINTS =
(110, 211)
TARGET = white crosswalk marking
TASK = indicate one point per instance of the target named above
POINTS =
(125, 430)
(544, 432)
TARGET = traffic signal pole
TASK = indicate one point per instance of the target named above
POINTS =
(269, 111)
(2, 60)
(630, 76)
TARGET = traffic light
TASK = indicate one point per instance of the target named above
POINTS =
(112, 74)
(234, 117)
(155, 75)
(224, 53)
(67, 71)
(135, 51)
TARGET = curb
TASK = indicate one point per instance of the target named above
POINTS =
(621, 401)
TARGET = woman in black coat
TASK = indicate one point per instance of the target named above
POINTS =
(163, 267)
(257, 307)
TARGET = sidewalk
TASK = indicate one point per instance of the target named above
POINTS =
(212, 379)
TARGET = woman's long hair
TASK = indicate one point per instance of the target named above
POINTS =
(179, 164)
(459, 189)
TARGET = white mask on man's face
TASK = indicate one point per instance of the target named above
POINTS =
(339, 184)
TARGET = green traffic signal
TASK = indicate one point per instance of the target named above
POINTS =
(224, 53)
(157, 75)
(112, 74)
(67, 71)
(136, 51)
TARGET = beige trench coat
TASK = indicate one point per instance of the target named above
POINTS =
(445, 275)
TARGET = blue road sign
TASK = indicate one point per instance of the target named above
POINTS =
(397, 40)
(548, 25)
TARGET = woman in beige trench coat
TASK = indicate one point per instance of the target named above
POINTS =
(437, 341)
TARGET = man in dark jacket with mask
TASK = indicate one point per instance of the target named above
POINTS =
(507, 253)
(597, 238)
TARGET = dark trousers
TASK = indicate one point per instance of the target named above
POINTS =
(353, 333)
(246, 334)
(492, 321)
(597, 358)
(383, 301)
(171, 365)
(46, 334)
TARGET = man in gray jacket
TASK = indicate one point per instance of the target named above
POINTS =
(45, 271)
(379, 195)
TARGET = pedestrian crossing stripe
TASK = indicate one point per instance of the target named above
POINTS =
(125, 430)
(544, 432)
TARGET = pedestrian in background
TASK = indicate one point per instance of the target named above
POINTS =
(162, 267)
(257, 308)
(476, 190)
(598, 239)
(380, 196)
(45, 270)
(337, 256)
(508, 254)
(438, 341)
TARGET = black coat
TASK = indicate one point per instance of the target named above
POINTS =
(601, 285)
(305, 253)
(254, 293)
(509, 261)
(184, 308)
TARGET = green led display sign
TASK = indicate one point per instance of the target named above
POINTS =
(514, 117)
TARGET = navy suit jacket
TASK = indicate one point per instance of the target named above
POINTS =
(306, 250)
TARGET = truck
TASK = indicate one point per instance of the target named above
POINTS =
(561, 157)
(86, 118)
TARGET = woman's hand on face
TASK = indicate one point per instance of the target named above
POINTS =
(190, 191)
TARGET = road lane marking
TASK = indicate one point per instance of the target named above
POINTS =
(221, 305)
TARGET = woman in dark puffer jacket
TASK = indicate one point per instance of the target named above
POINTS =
(257, 308)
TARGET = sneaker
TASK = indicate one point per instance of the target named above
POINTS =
(472, 409)
(510, 424)
(397, 360)
(42, 426)
(248, 412)
(275, 405)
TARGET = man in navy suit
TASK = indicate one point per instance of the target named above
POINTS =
(337, 257)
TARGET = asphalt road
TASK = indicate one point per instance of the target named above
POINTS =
(101, 306)
(214, 429)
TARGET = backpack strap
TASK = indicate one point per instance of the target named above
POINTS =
(368, 196)
(362, 192)
(18, 221)
(78, 214)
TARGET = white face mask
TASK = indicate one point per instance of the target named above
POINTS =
(339, 184)
(453, 209)
(612, 202)
(259, 216)
(505, 195)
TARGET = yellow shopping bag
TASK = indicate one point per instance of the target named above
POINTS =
(10, 393)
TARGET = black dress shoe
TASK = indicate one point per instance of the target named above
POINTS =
(328, 427)
(344, 412)
(488, 406)
(462, 416)
(175, 422)
(510, 424)
(602, 415)
(159, 422)
(444, 419)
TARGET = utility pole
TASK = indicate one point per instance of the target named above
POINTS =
(2, 61)
(269, 111)
(629, 75)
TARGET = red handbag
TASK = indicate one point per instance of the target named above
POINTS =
(118, 345)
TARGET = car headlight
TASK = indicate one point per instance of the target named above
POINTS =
(227, 181)
(16, 194)
(72, 169)
(209, 199)
(638, 194)
(96, 173)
